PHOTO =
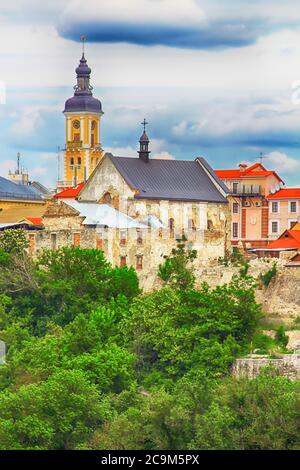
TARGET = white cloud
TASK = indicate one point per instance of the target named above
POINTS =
(29, 120)
(281, 162)
(163, 156)
(6, 166)
(132, 11)
(122, 151)
(157, 148)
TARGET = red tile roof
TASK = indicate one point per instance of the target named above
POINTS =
(286, 193)
(290, 239)
(248, 172)
(35, 220)
(70, 192)
(32, 220)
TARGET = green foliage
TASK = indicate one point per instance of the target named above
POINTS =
(281, 337)
(177, 270)
(235, 258)
(62, 284)
(257, 414)
(93, 364)
(13, 241)
(262, 343)
(269, 275)
(58, 413)
(174, 331)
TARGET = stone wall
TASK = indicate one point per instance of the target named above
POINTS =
(250, 367)
(280, 300)
(149, 245)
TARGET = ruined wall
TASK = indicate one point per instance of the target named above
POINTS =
(281, 300)
(288, 366)
(147, 247)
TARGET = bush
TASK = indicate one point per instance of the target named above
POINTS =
(281, 337)
(269, 275)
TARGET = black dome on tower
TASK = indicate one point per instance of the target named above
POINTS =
(83, 99)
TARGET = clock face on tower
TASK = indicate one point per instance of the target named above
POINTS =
(76, 124)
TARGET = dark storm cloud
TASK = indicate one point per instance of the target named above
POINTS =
(216, 35)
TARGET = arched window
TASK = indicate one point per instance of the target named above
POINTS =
(107, 199)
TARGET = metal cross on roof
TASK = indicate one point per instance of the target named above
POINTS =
(261, 157)
(144, 123)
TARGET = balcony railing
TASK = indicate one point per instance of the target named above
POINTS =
(74, 145)
(247, 190)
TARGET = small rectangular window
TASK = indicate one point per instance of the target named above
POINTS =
(172, 228)
(235, 187)
(274, 206)
(293, 206)
(139, 262)
(191, 224)
(139, 236)
(76, 239)
(122, 261)
(235, 230)
(235, 208)
(99, 243)
(76, 137)
(274, 227)
(123, 237)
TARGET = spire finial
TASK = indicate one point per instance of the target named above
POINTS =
(18, 163)
(83, 39)
(144, 123)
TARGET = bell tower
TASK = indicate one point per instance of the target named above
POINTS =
(144, 152)
(83, 115)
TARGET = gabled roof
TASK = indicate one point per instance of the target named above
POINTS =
(10, 190)
(286, 193)
(33, 220)
(178, 180)
(288, 240)
(254, 171)
(70, 193)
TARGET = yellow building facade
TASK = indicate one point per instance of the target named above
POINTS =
(83, 113)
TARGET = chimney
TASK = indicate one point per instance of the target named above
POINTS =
(243, 166)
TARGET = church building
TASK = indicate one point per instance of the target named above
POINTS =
(134, 209)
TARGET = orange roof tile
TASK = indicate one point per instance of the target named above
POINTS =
(249, 172)
(35, 220)
(70, 192)
(286, 193)
(290, 239)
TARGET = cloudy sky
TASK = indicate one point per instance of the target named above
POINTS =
(214, 78)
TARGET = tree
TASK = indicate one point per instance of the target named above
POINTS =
(177, 269)
(173, 331)
(61, 284)
(13, 241)
(59, 413)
